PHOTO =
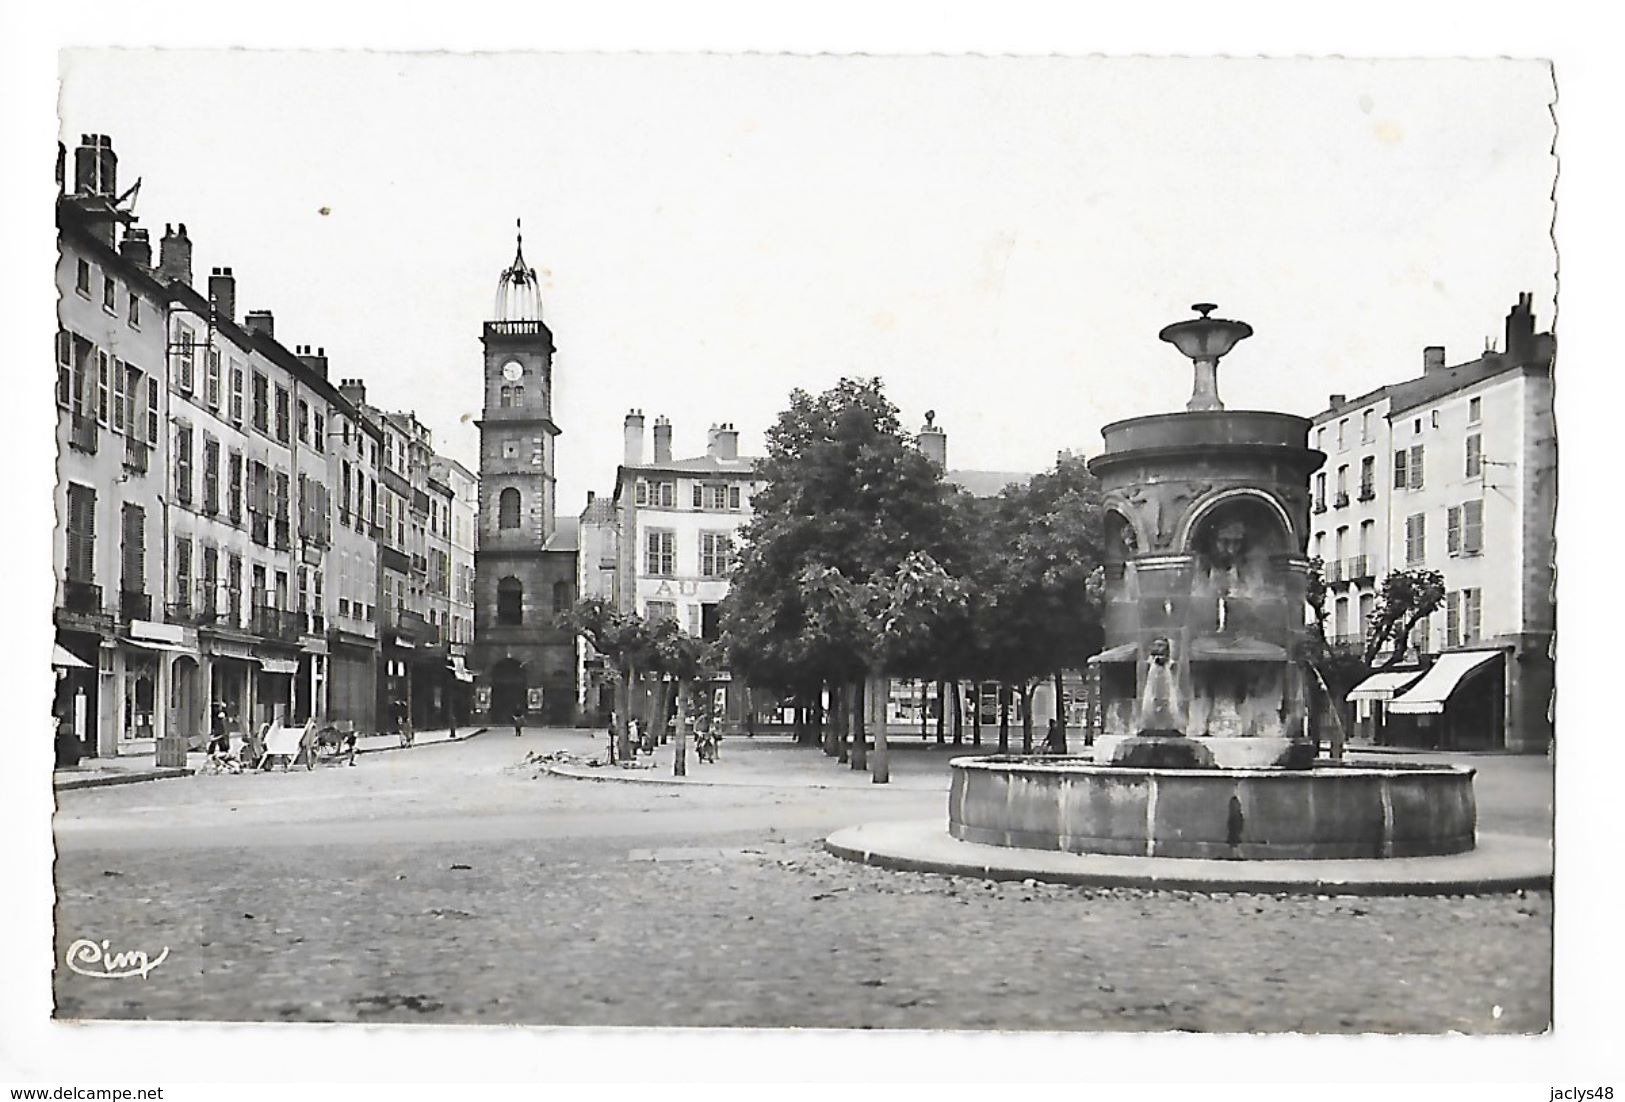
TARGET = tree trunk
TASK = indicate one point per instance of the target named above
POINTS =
(959, 715)
(842, 708)
(623, 737)
(1004, 718)
(976, 716)
(679, 756)
(1027, 688)
(1060, 712)
(882, 763)
(924, 719)
(859, 755)
(824, 724)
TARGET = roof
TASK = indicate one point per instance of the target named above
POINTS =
(600, 510)
(566, 535)
(742, 467)
(1433, 385)
(986, 483)
(1436, 384)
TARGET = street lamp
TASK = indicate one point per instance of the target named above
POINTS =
(1204, 340)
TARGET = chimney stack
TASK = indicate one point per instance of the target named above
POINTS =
(1432, 359)
(95, 167)
(1520, 330)
(722, 442)
(135, 247)
(933, 440)
(223, 293)
(175, 255)
(662, 439)
(316, 361)
(632, 454)
(354, 392)
(260, 321)
(1336, 400)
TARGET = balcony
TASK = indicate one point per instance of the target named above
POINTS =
(81, 597)
(275, 623)
(134, 605)
(1341, 500)
(284, 540)
(1368, 492)
(1320, 506)
(1332, 572)
(259, 529)
(1358, 569)
(135, 455)
(84, 433)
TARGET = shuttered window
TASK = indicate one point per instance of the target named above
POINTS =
(1475, 455)
(1416, 467)
(133, 578)
(1452, 535)
(1415, 539)
(1472, 528)
(211, 474)
(81, 564)
(183, 464)
(1401, 478)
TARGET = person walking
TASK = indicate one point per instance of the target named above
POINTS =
(219, 740)
(518, 718)
(1052, 739)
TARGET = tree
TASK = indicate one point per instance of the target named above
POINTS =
(846, 491)
(1040, 583)
(686, 660)
(626, 644)
(1405, 598)
(891, 624)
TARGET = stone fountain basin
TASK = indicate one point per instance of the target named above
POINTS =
(1331, 812)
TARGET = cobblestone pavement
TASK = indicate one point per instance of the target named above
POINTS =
(467, 890)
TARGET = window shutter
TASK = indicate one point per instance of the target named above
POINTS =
(133, 578)
(1472, 527)
(1452, 619)
(1475, 456)
(699, 496)
(81, 564)
(1401, 480)
(1416, 466)
(1452, 539)
(1474, 613)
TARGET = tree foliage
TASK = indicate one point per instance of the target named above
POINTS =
(1405, 598)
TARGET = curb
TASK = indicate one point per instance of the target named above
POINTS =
(415, 746)
(614, 774)
(132, 778)
(913, 853)
(170, 773)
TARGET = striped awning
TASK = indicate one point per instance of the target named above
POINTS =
(67, 660)
(1429, 695)
(1383, 686)
(1123, 652)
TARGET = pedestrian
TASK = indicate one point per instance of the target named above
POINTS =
(518, 718)
(219, 740)
(1052, 740)
(634, 736)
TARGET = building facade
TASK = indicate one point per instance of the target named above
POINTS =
(525, 558)
(1453, 471)
(219, 537)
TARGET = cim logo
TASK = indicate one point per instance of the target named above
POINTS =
(94, 959)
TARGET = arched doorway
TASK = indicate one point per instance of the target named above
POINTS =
(508, 687)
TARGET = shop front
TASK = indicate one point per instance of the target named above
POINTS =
(1458, 704)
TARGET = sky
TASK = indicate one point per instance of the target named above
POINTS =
(1000, 239)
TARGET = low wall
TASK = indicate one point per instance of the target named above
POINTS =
(1333, 812)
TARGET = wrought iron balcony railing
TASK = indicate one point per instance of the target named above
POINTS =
(81, 597)
(136, 455)
(134, 605)
(84, 433)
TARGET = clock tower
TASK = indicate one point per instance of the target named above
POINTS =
(524, 574)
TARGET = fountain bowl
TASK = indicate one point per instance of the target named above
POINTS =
(1326, 812)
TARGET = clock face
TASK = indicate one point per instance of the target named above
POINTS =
(513, 371)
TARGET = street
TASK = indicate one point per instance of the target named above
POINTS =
(455, 884)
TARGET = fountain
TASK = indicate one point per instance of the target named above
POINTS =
(1204, 691)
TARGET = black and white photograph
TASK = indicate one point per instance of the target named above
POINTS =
(764, 541)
